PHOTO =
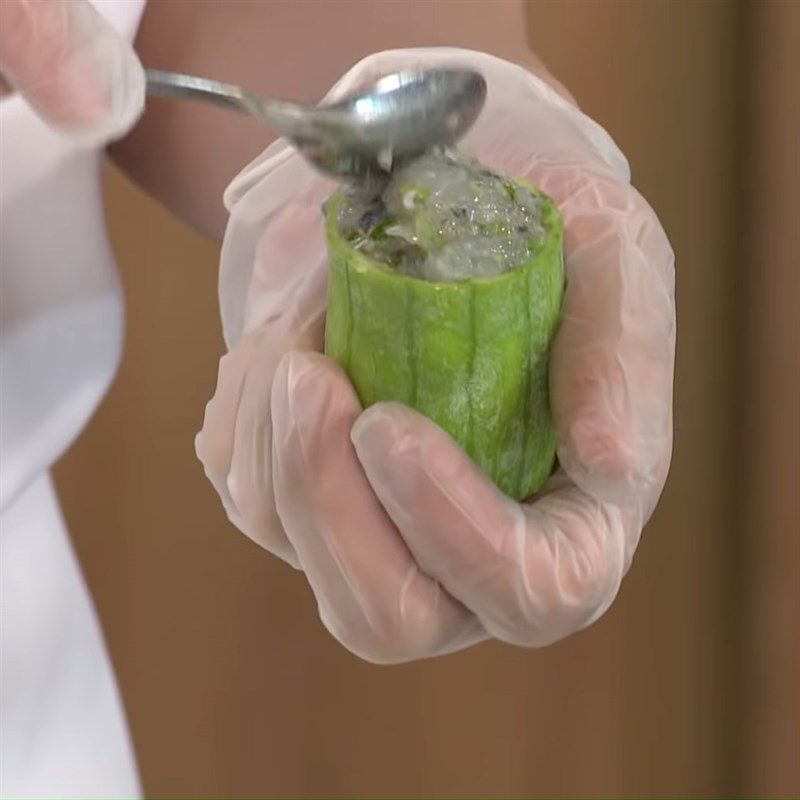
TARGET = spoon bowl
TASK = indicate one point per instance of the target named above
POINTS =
(360, 138)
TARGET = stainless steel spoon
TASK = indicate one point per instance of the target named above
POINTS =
(359, 138)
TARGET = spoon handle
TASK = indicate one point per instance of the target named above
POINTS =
(174, 84)
(284, 117)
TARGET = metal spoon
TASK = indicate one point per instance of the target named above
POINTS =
(359, 138)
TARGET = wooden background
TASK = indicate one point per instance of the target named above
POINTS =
(687, 687)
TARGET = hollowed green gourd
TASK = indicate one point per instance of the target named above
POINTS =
(470, 355)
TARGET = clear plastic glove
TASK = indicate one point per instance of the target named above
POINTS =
(409, 549)
(71, 66)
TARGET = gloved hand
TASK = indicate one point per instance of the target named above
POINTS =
(409, 549)
(74, 69)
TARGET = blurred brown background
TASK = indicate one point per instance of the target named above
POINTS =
(688, 686)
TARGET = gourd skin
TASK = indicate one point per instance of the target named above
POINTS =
(470, 355)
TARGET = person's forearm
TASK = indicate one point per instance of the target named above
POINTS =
(184, 154)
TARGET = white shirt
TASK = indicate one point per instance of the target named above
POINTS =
(62, 728)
